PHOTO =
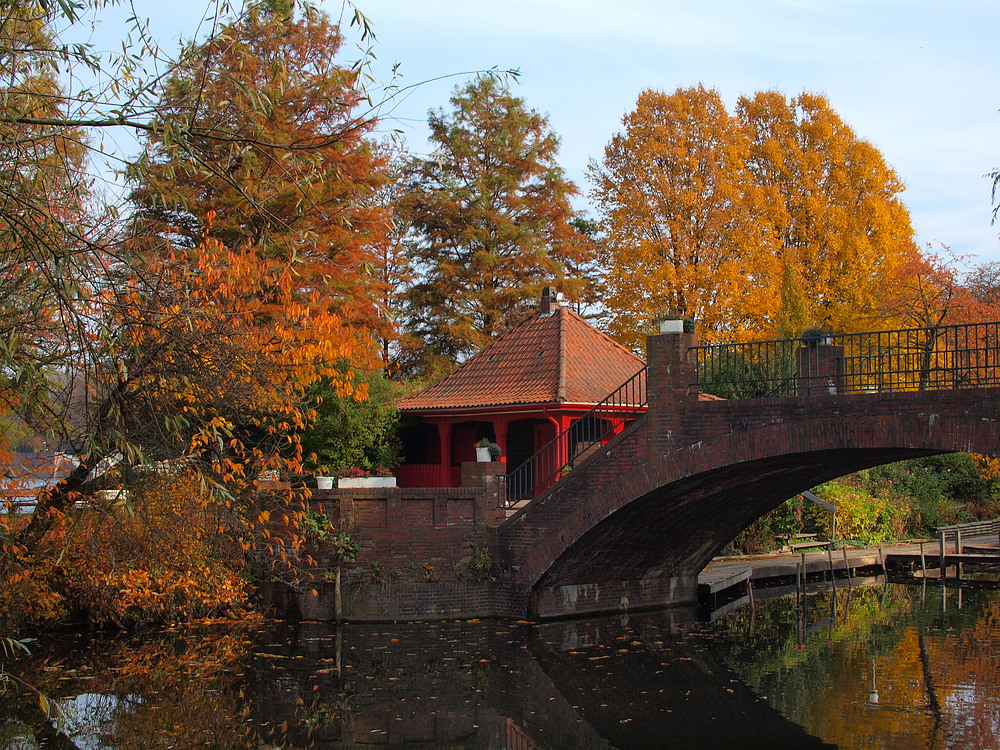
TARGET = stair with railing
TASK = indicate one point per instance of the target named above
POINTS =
(557, 458)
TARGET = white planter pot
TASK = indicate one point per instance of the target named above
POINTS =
(483, 454)
(358, 482)
(324, 483)
(672, 326)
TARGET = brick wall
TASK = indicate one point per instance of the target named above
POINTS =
(652, 508)
(634, 524)
(416, 552)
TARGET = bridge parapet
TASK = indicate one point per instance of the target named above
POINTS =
(916, 359)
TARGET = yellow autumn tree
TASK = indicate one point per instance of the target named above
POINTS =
(680, 215)
(757, 224)
(831, 205)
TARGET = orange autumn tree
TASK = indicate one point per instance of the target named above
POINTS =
(680, 214)
(249, 275)
(757, 223)
(45, 225)
(275, 149)
(927, 292)
(198, 371)
(831, 203)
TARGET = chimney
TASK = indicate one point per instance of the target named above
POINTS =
(550, 301)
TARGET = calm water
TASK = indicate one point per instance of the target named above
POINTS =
(879, 667)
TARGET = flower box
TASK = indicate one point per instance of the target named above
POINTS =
(361, 482)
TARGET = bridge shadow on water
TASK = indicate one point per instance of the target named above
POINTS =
(645, 681)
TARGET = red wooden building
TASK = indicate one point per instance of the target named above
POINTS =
(520, 392)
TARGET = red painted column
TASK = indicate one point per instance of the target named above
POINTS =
(563, 425)
(500, 430)
(444, 432)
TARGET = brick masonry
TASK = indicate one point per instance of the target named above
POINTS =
(633, 525)
(416, 553)
(655, 506)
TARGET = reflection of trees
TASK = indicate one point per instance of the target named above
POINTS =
(466, 685)
(769, 640)
(179, 690)
(934, 665)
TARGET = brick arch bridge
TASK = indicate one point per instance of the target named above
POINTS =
(634, 525)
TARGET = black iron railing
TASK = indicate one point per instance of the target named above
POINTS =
(586, 434)
(933, 358)
(760, 369)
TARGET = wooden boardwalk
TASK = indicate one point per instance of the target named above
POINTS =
(725, 572)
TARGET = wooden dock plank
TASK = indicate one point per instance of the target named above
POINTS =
(716, 585)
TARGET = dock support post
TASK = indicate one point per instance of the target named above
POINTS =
(338, 601)
(829, 557)
(941, 554)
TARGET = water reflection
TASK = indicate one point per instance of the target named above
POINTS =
(887, 666)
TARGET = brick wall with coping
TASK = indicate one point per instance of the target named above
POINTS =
(416, 548)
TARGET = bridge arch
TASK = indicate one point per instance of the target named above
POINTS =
(638, 525)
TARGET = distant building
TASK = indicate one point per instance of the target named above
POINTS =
(30, 471)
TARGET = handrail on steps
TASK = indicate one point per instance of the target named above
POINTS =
(557, 458)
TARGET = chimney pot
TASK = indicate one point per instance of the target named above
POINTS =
(550, 301)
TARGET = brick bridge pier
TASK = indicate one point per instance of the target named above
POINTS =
(633, 526)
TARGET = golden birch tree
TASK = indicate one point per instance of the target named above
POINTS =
(680, 215)
(758, 223)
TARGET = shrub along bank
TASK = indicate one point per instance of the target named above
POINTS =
(883, 504)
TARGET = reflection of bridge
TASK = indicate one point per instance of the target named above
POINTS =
(633, 523)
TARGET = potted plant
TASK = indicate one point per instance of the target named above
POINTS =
(816, 337)
(483, 450)
(356, 477)
(487, 450)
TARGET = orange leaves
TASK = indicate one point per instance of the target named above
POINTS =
(679, 210)
(164, 563)
(754, 223)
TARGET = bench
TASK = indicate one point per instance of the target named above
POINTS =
(808, 545)
(797, 543)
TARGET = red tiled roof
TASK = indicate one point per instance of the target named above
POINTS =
(546, 359)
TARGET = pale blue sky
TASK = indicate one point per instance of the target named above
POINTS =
(920, 79)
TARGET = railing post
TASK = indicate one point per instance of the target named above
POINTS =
(820, 370)
(671, 370)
